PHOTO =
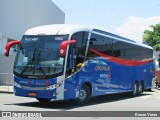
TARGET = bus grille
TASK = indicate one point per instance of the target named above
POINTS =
(33, 88)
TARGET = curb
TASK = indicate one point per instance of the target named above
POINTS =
(6, 89)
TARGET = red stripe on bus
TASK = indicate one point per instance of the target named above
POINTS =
(120, 60)
(47, 86)
(47, 83)
(58, 31)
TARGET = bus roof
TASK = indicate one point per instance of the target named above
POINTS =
(64, 29)
(57, 29)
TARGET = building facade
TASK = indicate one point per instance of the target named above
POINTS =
(16, 16)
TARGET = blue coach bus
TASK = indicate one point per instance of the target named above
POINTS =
(76, 62)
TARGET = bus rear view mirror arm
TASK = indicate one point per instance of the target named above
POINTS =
(8, 46)
(63, 46)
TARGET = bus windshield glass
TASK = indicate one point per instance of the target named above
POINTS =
(39, 56)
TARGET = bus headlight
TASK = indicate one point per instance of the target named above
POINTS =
(17, 85)
(54, 86)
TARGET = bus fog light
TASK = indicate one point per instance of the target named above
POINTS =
(17, 85)
(54, 86)
(55, 93)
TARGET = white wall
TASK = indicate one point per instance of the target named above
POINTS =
(16, 16)
(3, 42)
(1, 11)
(0, 37)
(6, 69)
(19, 15)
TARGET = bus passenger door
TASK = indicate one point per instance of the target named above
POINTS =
(70, 62)
(76, 54)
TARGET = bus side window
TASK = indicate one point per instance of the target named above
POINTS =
(117, 48)
(78, 37)
(101, 44)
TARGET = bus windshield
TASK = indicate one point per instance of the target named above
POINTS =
(38, 56)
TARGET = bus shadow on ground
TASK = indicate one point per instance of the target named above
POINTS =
(68, 105)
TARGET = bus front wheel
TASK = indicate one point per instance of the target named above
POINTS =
(43, 100)
(84, 95)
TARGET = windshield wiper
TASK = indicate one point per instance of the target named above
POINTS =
(30, 62)
(38, 60)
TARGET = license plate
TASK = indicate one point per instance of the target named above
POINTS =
(34, 94)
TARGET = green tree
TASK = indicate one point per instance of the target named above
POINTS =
(152, 37)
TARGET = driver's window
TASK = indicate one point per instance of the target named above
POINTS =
(79, 48)
(76, 52)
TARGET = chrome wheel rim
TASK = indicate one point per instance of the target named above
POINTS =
(140, 89)
(83, 94)
(135, 89)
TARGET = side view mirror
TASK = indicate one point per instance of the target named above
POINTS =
(63, 46)
(8, 46)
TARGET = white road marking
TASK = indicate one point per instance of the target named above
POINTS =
(145, 97)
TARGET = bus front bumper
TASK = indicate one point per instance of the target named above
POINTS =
(35, 93)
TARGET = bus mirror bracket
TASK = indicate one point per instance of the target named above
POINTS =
(63, 46)
(8, 46)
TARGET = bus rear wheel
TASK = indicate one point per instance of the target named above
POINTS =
(84, 95)
(135, 89)
(43, 100)
(141, 88)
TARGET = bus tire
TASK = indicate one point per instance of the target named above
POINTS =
(141, 88)
(84, 95)
(149, 90)
(135, 89)
(43, 100)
